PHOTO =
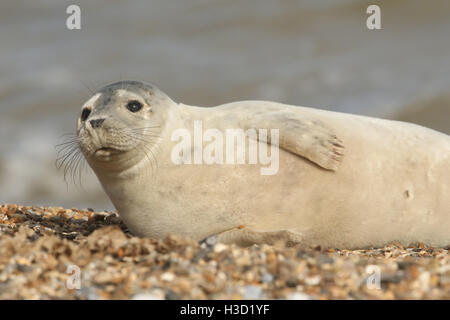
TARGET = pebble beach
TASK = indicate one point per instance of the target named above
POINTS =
(42, 249)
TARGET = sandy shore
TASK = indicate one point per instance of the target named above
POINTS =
(38, 244)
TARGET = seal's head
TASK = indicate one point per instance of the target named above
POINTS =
(119, 123)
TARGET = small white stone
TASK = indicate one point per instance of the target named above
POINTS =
(210, 241)
(252, 292)
(267, 278)
(219, 247)
(424, 280)
(146, 296)
(298, 296)
(167, 276)
(312, 281)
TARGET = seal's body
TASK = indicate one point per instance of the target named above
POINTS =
(343, 180)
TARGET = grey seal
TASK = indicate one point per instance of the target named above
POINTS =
(343, 180)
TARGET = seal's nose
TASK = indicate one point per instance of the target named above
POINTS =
(96, 123)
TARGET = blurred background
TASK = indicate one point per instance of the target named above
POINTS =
(316, 53)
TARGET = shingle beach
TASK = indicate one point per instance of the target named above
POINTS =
(42, 249)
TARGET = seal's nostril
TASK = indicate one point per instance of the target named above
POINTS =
(96, 123)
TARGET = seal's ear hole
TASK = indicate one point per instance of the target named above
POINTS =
(134, 106)
(85, 114)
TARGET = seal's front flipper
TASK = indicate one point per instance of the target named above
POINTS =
(245, 237)
(308, 138)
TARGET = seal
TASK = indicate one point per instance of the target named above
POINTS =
(342, 180)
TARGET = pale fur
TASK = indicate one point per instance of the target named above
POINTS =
(392, 183)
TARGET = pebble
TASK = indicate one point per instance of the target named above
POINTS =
(167, 276)
(267, 277)
(86, 293)
(252, 292)
(220, 247)
(312, 281)
(298, 296)
(292, 282)
(146, 296)
(171, 295)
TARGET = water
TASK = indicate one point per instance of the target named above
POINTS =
(312, 53)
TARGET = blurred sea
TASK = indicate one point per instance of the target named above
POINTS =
(316, 53)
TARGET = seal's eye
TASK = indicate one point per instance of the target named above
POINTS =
(134, 106)
(85, 114)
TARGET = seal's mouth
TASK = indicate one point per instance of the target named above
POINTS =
(107, 152)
